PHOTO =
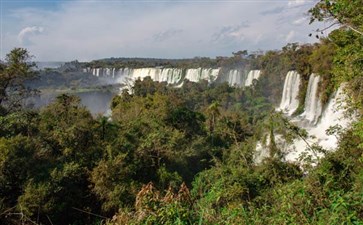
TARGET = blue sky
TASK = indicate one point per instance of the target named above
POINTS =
(85, 30)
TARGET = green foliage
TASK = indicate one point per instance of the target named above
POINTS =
(16, 165)
(347, 42)
(21, 122)
(67, 129)
(113, 184)
(14, 72)
(346, 13)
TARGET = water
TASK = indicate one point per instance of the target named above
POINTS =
(176, 76)
(236, 78)
(313, 106)
(289, 102)
(314, 119)
(333, 115)
(196, 75)
(252, 75)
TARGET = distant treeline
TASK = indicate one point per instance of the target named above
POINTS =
(239, 58)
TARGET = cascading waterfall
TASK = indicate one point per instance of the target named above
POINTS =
(289, 102)
(196, 75)
(171, 76)
(313, 106)
(252, 75)
(333, 115)
(239, 78)
(176, 76)
(107, 71)
(193, 75)
(104, 72)
(235, 78)
(210, 74)
(123, 76)
(141, 73)
(113, 72)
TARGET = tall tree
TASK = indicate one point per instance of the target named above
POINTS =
(345, 13)
(14, 72)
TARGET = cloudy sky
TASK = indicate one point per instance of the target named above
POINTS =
(62, 30)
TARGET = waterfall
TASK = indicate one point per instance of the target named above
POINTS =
(107, 72)
(239, 78)
(123, 75)
(333, 115)
(289, 102)
(235, 78)
(171, 76)
(252, 75)
(176, 76)
(193, 75)
(196, 75)
(210, 74)
(113, 72)
(313, 106)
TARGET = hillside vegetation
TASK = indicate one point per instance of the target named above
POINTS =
(185, 155)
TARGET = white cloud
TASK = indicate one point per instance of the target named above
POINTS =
(236, 33)
(87, 30)
(27, 32)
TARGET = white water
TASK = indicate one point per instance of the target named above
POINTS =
(196, 75)
(289, 102)
(141, 73)
(235, 78)
(169, 75)
(313, 106)
(333, 115)
(176, 76)
(252, 75)
(239, 78)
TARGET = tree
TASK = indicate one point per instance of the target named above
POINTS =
(345, 13)
(213, 113)
(240, 53)
(16, 70)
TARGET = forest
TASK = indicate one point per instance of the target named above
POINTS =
(186, 155)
